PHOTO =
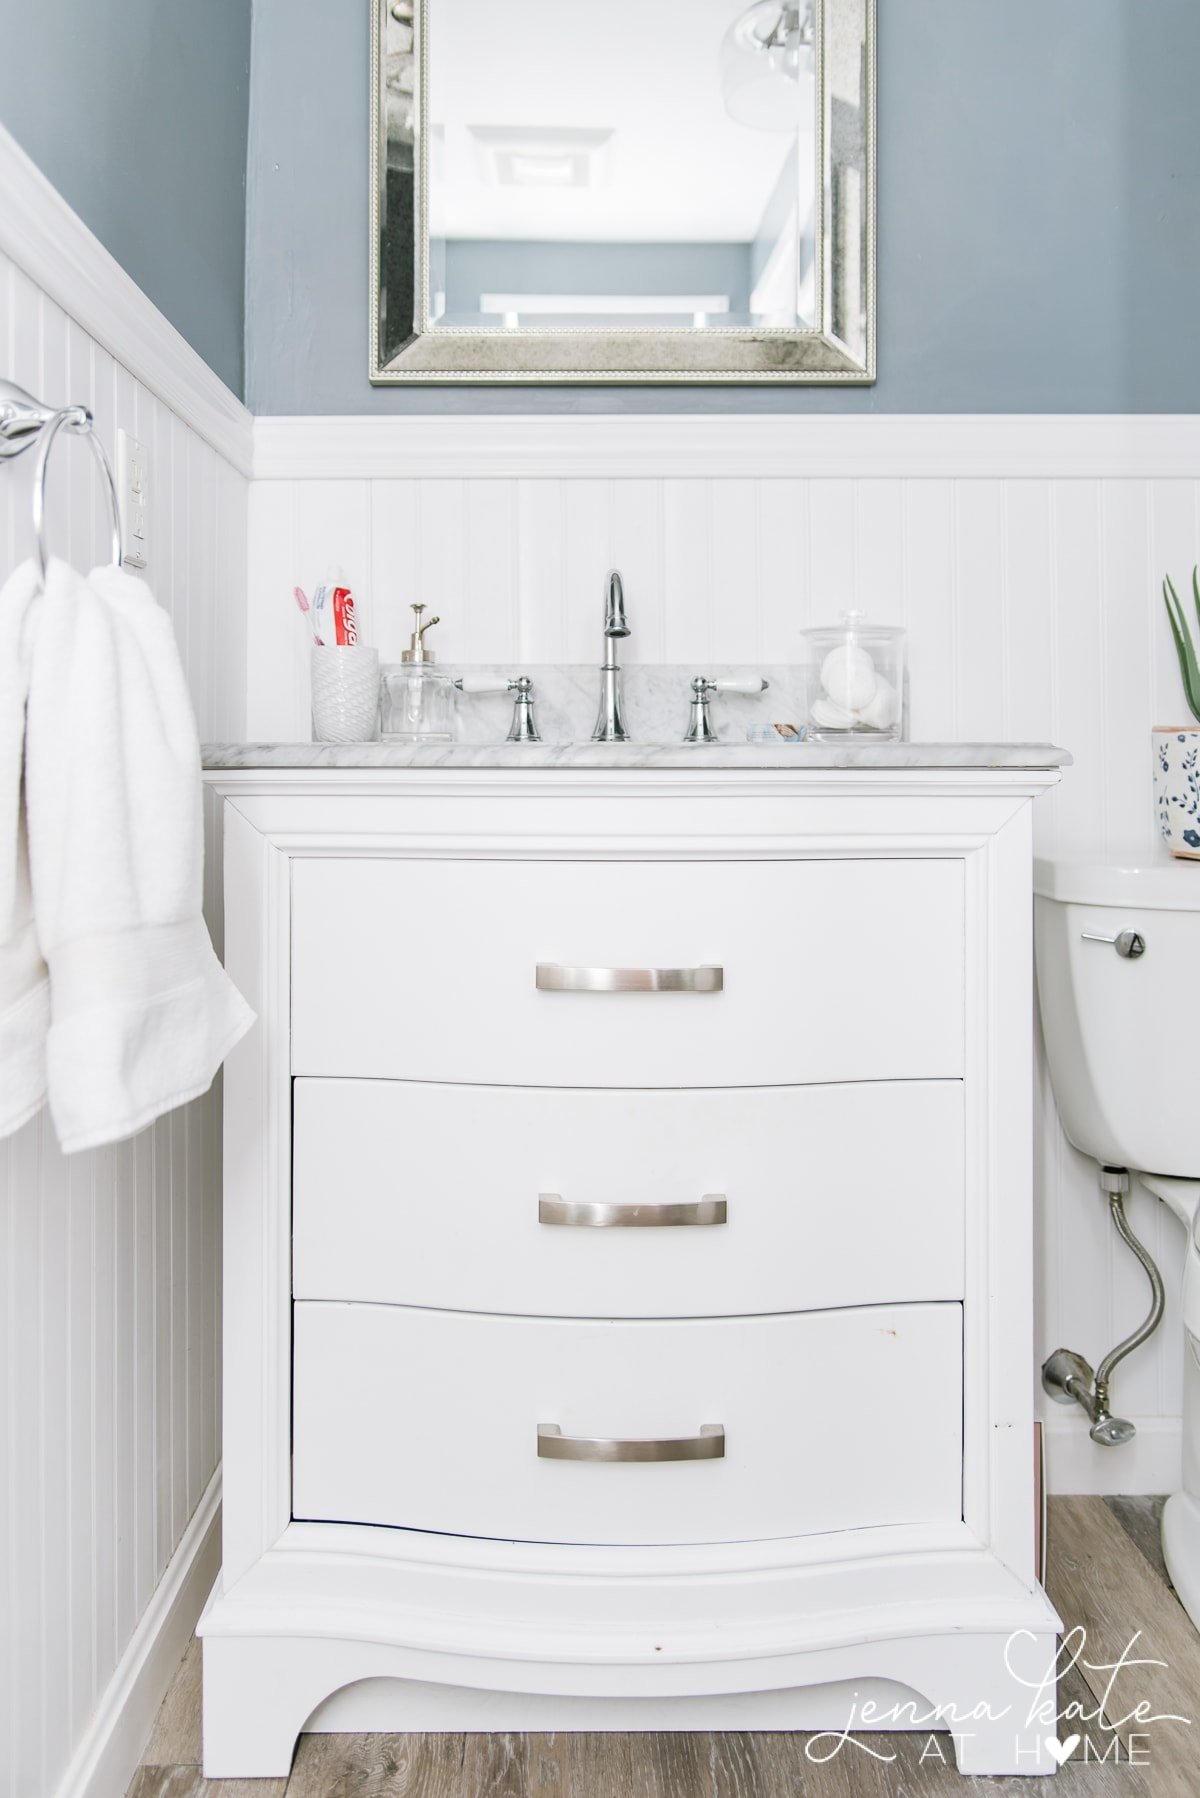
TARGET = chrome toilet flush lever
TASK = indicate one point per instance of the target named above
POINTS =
(1128, 943)
(700, 725)
(523, 728)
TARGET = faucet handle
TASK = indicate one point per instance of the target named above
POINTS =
(523, 728)
(700, 727)
(748, 683)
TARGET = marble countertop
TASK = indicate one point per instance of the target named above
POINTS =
(218, 756)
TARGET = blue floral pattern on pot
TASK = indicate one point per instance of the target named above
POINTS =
(1177, 790)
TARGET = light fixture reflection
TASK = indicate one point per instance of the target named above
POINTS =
(767, 66)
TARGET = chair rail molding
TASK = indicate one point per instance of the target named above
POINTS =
(1037, 446)
(52, 245)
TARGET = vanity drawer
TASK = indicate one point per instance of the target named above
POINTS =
(438, 1420)
(435, 1195)
(824, 971)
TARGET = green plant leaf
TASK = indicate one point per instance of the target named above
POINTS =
(1185, 648)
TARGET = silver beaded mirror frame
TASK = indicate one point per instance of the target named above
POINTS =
(416, 338)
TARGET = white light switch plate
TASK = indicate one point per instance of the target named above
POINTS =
(133, 487)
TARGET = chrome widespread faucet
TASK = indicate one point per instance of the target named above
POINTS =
(609, 725)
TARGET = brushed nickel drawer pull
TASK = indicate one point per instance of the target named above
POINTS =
(551, 978)
(709, 1445)
(554, 1209)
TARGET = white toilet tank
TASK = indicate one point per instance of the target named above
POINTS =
(1123, 1032)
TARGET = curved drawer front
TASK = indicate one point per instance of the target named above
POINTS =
(627, 1433)
(628, 974)
(587, 1202)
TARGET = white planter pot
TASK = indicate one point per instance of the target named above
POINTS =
(1177, 789)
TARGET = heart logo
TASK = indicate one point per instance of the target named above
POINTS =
(1061, 1751)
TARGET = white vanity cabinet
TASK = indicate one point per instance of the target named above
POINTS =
(628, 1252)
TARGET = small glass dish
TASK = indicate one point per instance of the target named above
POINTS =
(775, 734)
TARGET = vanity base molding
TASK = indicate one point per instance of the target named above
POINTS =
(342, 1628)
(407, 1316)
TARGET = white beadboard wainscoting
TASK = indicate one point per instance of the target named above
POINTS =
(1025, 556)
(110, 1290)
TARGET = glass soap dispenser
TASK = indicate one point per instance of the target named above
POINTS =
(418, 699)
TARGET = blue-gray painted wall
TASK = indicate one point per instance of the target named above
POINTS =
(136, 110)
(1039, 218)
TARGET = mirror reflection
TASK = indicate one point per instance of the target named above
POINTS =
(623, 190)
(617, 165)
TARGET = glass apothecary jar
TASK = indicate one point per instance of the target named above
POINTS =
(855, 675)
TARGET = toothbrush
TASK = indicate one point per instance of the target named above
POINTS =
(302, 601)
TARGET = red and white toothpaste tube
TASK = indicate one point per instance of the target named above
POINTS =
(333, 617)
(345, 630)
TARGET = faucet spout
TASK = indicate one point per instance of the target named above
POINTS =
(614, 608)
(610, 727)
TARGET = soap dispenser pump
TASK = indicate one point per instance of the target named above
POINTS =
(418, 699)
(416, 651)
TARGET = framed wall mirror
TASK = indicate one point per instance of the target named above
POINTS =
(623, 191)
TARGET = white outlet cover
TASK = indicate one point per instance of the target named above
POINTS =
(133, 492)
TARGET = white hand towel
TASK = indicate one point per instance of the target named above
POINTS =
(24, 988)
(141, 1012)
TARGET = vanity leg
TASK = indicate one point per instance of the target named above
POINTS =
(257, 1698)
(1005, 1710)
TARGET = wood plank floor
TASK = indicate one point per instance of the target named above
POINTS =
(1106, 1574)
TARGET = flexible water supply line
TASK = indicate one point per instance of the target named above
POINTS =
(1116, 1205)
(1066, 1376)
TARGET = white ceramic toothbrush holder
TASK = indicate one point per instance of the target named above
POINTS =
(345, 694)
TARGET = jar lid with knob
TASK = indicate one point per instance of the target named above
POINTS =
(855, 680)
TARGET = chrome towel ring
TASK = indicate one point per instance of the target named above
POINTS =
(24, 422)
